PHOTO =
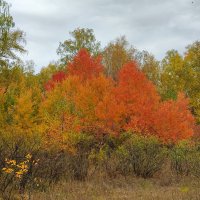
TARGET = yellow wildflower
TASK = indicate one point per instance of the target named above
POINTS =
(28, 156)
(8, 170)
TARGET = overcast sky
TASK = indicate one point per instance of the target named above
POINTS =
(152, 25)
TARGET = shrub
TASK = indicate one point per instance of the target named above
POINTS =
(145, 155)
(17, 177)
(78, 161)
(185, 159)
(107, 156)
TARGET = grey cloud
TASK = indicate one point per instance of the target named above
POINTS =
(155, 25)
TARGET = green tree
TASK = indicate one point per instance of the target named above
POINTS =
(11, 40)
(116, 54)
(6, 20)
(150, 66)
(120, 52)
(172, 80)
(182, 73)
(192, 76)
(81, 38)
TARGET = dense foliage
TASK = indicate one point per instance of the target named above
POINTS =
(131, 103)
(119, 111)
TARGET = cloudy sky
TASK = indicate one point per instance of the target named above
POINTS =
(155, 26)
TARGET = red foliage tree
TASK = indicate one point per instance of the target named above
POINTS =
(56, 78)
(173, 120)
(139, 97)
(135, 105)
(130, 104)
(85, 66)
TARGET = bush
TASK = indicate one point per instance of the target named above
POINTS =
(78, 161)
(17, 177)
(15, 148)
(185, 159)
(130, 154)
(107, 156)
(145, 155)
(66, 161)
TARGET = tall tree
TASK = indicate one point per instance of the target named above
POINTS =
(192, 76)
(81, 38)
(116, 54)
(6, 20)
(150, 66)
(172, 80)
(11, 40)
(85, 66)
(182, 74)
(137, 107)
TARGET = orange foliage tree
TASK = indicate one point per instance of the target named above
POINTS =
(71, 98)
(129, 104)
(139, 97)
(56, 78)
(85, 66)
(134, 105)
(173, 120)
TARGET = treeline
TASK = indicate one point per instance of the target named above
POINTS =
(112, 110)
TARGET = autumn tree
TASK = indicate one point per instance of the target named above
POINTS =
(181, 74)
(172, 80)
(138, 108)
(85, 65)
(173, 120)
(192, 77)
(136, 97)
(20, 122)
(81, 88)
(100, 104)
(57, 110)
(47, 72)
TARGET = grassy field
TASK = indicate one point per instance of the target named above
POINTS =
(124, 188)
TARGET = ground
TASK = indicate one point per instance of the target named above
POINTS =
(124, 189)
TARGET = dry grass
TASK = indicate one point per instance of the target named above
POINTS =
(124, 188)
